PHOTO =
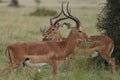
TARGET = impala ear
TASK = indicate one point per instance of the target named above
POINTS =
(68, 25)
(43, 30)
(58, 26)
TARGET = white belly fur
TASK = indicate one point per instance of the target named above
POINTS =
(28, 63)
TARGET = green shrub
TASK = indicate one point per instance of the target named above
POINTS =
(43, 12)
(109, 23)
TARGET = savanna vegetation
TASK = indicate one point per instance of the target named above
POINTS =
(108, 22)
(16, 25)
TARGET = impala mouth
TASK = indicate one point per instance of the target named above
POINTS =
(45, 38)
(48, 38)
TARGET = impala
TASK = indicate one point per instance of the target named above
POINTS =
(44, 52)
(101, 45)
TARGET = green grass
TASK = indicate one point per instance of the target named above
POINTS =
(17, 26)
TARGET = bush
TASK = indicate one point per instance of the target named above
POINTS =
(43, 12)
(109, 23)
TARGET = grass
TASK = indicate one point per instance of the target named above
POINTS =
(17, 26)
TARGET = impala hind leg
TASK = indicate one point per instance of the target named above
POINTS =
(10, 68)
(111, 62)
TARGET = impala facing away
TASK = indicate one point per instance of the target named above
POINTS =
(101, 45)
(45, 52)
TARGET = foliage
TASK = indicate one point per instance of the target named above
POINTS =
(14, 3)
(109, 23)
(43, 12)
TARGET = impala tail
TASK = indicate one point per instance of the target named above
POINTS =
(111, 50)
(8, 55)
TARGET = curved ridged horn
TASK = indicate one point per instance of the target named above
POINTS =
(55, 17)
(71, 17)
(76, 19)
(43, 30)
(60, 18)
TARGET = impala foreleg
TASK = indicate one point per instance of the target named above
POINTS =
(54, 64)
(68, 62)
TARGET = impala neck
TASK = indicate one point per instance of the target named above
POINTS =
(72, 42)
(58, 36)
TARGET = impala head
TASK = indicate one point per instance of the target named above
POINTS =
(75, 31)
(53, 32)
(78, 25)
(43, 30)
